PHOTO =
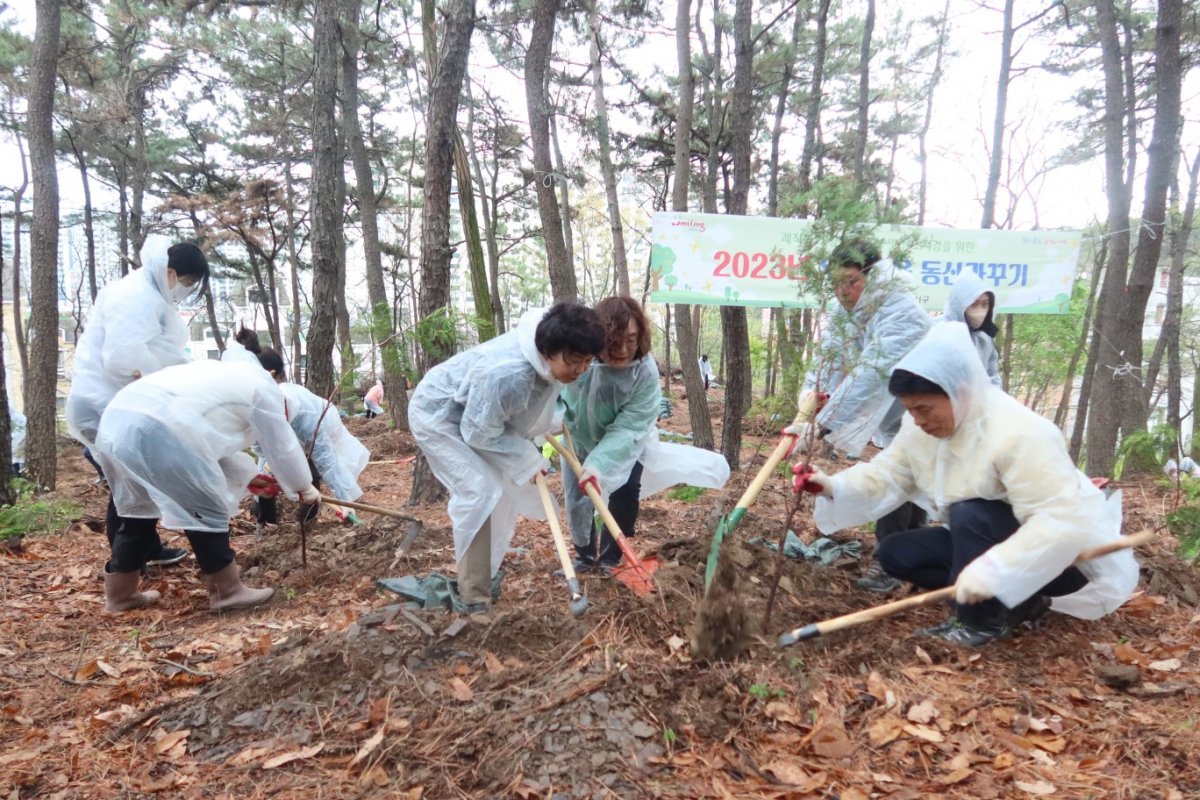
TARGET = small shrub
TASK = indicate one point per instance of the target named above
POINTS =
(31, 514)
(1145, 452)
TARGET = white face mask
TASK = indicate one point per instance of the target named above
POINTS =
(975, 317)
(178, 293)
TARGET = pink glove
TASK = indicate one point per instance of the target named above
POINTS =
(589, 479)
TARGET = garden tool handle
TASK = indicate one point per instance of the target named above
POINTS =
(808, 407)
(578, 603)
(601, 507)
(386, 512)
(887, 609)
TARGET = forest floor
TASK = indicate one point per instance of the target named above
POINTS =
(332, 690)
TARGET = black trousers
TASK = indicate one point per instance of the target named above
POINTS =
(623, 504)
(147, 528)
(136, 541)
(933, 557)
(907, 517)
(266, 509)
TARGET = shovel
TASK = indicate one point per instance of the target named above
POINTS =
(638, 575)
(787, 442)
(579, 603)
(887, 609)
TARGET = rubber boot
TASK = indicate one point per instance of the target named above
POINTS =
(226, 591)
(121, 592)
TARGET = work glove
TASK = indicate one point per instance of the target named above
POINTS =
(810, 480)
(806, 433)
(310, 504)
(264, 485)
(970, 588)
(542, 471)
(589, 477)
(803, 427)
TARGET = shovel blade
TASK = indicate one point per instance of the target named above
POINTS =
(638, 579)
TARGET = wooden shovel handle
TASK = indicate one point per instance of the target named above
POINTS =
(887, 609)
(808, 407)
(560, 543)
(386, 512)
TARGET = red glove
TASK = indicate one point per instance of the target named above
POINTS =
(590, 479)
(822, 399)
(802, 482)
(264, 485)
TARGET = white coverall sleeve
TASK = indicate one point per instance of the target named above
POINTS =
(126, 345)
(828, 364)
(869, 489)
(277, 439)
(1055, 505)
(613, 457)
(898, 325)
(993, 367)
(490, 404)
(324, 456)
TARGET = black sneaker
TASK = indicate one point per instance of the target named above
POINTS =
(966, 634)
(167, 556)
(582, 566)
(1030, 611)
(878, 581)
(936, 631)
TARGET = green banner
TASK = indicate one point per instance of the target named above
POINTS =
(718, 259)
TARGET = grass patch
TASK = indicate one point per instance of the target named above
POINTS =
(30, 514)
(686, 493)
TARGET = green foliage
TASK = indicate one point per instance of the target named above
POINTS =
(1184, 521)
(764, 692)
(772, 413)
(437, 334)
(670, 737)
(1042, 347)
(1144, 452)
(32, 514)
(686, 494)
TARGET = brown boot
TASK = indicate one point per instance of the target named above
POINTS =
(227, 592)
(121, 592)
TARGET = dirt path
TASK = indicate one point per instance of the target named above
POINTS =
(334, 691)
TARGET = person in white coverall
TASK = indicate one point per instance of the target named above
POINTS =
(475, 416)
(172, 445)
(1018, 510)
(134, 329)
(611, 414)
(876, 322)
(335, 457)
(972, 303)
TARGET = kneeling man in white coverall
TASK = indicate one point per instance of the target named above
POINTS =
(1019, 511)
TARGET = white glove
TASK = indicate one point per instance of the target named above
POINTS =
(543, 469)
(309, 495)
(970, 588)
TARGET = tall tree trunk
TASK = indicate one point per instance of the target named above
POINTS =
(326, 215)
(685, 330)
(486, 203)
(1064, 403)
(440, 128)
(812, 114)
(563, 184)
(364, 179)
(922, 137)
(18, 222)
(480, 292)
(41, 407)
(735, 332)
(997, 155)
(1118, 403)
(89, 230)
(781, 105)
(297, 325)
(123, 218)
(606, 163)
(7, 492)
(864, 95)
(1172, 318)
(141, 169)
(537, 63)
(1175, 304)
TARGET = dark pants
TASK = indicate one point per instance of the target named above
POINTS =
(137, 541)
(147, 528)
(87, 454)
(933, 557)
(907, 517)
(623, 504)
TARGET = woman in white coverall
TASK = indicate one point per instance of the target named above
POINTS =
(474, 418)
(335, 457)
(876, 321)
(1019, 511)
(972, 303)
(172, 445)
(612, 412)
(134, 329)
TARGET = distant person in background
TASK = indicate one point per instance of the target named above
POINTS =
(706, 371)
(134, 329)
(373, 399)
(1185, 467)
(16, 426)
(971, 302)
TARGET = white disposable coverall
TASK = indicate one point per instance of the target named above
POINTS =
(133, 327)
(1000, 450)
(966, 290)
(857, 352)
(612, 413)
(338, 456)
(474, 418)
(213, 411)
